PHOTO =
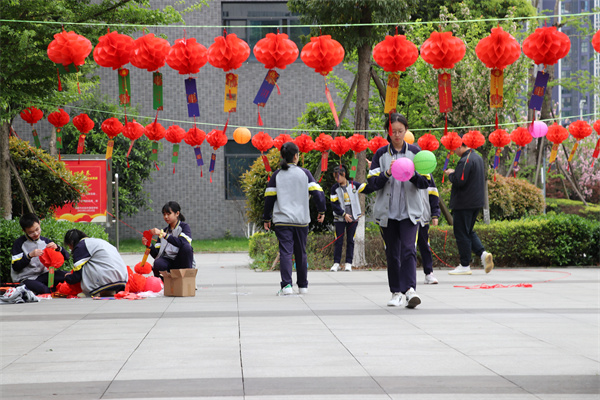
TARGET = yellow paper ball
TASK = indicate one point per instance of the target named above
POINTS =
(241, 135)
(409, 137)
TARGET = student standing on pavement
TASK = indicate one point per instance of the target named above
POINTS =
(346, 211)
(97, 264)
(26, 265)
(398, 209)
(431, 213)
(173, 250)
(287, 211)
(466, 201)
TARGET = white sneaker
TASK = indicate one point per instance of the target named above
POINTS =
(285, 291)
(430, 279)
(460, 270)
(412, 298)
(395, 300)
(348, 267)
(487, 260)
(303, 290)
(335, 267)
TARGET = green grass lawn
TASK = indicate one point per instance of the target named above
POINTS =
(206, 246)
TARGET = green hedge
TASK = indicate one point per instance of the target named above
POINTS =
(545, 240)
(54, 230)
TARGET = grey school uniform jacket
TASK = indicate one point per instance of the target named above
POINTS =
(23, 267)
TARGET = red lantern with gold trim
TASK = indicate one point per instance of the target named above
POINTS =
(84, 124)
(112, 127)
(521, 137)
(263, 142)
(194, 137)
(597, 148)
(579, 130)
(596, 41)
(323, 144)
(155, 132)
(451, 141)
(499, 138)
(32, 115)
(59, 119)
(175, 134)
(556, 134)
(546, 45)
(216, 139)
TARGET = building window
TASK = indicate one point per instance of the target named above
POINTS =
(238, 159)
(567, 103)
(584, 46)
(246, 19)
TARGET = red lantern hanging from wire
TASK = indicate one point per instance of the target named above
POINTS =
(194, 138)
(323, 145)
(428, 142)
(84, 125)
(112, 127)
(216, 139)
(393, 54)
(340, 146)
(556, 134)
(499, 138)
(596, 41)
(521, 137)
(443, 51)
(68, 51)
(451, 141)
(175, 134)
(113, 51)
(59, 119)
(376, 143)
(281, 139)
(597, 148)
(358, 144)
(305, 144)
(580, 130)
(323, 53)
(132, 130)
(155, 132)
(274, 51)
(473, 139)
(32, 115)
(263, 142)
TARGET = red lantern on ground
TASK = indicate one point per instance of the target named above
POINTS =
(84, 124)
(194, 138)
(216, 139)
(428, 142)
(556, 134)
(263, 142)
(340, 146)
(133, 131)
(112, 127)
(451, 141)
(579, 130)
(376, 143)
(281, 139)
(323, 53)
(597, 148)
(305, 144)
(175, 134)
(546, 45)
(473, 139)
(32, 115)
(68, 50)
(59, 119)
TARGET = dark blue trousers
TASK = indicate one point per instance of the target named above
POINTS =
(467, 240)
(183, 259)
(400, 239)
(350, 229)
(424, 249)
(292, 241)
(40, 284)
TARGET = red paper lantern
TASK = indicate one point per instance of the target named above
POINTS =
(175, 134)
(376, 143)
(83, 123)
(112, 127)
(51, 258)
(305, 143)
(340, 146)
(521, 136)
(597, 126)
(395, 53)
(596, 41)
(113, 50)
(262, 141)
(546, 45)
(194, 137)
(69, 48)
(323, 142)
(358, 143)
(32, 115)
(136, 283)
(275, 51)
(322, 53)
(187, 56)
(451, 141)
(499, 138)
(281, 139)
(597, 148)
(428, 142)
(580, 129)
(154, 131)
(149, 52)
(216, 139)
(67, 290)
(442, 50)
(143, 269)
(59, 118)
(473, 139)
(498, 50)
(133, 131)
(557, 134)
(228, 52)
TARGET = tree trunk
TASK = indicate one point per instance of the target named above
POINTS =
(26, 197)
(361, 123)
(5, 192)
(53, 150)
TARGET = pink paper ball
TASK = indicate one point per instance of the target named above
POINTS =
(153, 284)
(538, 129)
(403, 169)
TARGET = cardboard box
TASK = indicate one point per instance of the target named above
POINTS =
(180, 282)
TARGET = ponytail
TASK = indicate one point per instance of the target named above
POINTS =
(288, 152)
(173, 206)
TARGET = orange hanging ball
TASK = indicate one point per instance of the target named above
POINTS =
(409, 137)
(241, 135)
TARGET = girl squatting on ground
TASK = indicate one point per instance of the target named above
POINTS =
(398, 209)
(287, 211)
(346, 211)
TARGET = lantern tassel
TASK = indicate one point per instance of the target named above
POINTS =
(596, 152)
(260, 121)
(572, 154)
(331, 105)
(278, 90)
(129, 151)
(59, 82)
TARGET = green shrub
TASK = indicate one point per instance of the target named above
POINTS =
(54, 230)
(514, 198)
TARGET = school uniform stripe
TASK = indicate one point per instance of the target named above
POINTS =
(17, 257)
(79, 264)
(314, 186)
(271, 191)
(189, 239)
